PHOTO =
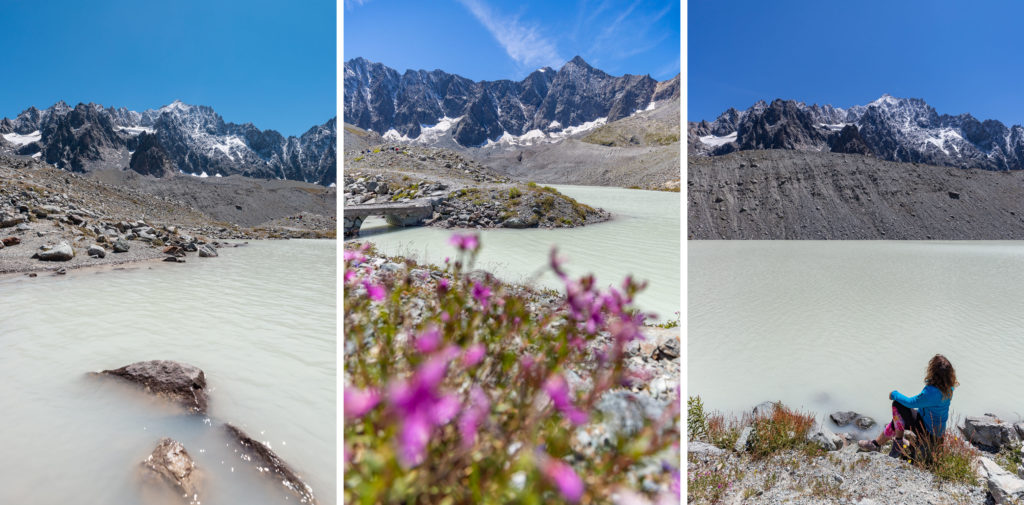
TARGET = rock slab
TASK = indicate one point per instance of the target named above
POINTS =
(1003, 485)
(59, 252)
(179, 382)
(267, 458)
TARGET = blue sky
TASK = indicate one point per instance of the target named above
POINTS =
(490, 40)
(269, 63)
(958, 56)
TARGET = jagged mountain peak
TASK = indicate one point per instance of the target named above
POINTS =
(432, 107)
(189, 138)
(890, 127)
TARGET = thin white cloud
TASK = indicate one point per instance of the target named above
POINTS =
(353, 3)
(524, 44)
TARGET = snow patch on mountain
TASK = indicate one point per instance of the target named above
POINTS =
(716, 141)
(21, 140)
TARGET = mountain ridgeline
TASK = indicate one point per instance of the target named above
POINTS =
(893, 129)
(175, 138)
(380, 99)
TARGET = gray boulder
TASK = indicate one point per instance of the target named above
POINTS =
(207, 251)
(7, 220)
(179, 382)
(121, 245)
(704, 449)
(864, 422)
(1003, 485)
(843, 418)
(97, 251)
(271, 464)
(824, 438)
(990, 432)
(625, 413)
(743, 441)
(59, 252)
(170, 461)
(764, 409)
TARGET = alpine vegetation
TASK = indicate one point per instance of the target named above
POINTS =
(460, 388)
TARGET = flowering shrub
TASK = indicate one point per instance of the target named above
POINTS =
(462, 389)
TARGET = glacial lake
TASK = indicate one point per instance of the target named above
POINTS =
(259, 320)
(828, 326)
(641, 239)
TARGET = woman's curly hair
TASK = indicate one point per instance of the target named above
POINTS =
(941, 375)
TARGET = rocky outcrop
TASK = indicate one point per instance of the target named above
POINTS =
(272, 464)
(150, 158)
(849, 141)
(171, 462)
(1005, 487)
(179, 382)
(990, 432)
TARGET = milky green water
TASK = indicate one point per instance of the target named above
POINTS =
(259, 320)
(642, 240)
(838, 325)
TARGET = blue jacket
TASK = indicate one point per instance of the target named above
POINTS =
(930, 405)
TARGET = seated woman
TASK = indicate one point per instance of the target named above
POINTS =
(924, 414)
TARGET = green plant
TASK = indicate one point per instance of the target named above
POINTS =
(514, 193)
(696, 420)
(358, 158)
(951, 460)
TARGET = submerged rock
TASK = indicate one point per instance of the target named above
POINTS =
(843, 418)
(172, 462)
(180, 382)
(266, 458)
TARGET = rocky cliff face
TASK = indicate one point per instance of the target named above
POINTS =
(380, 99)
(894, 129)
(177, 137)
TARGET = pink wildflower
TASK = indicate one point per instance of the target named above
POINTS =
(481, 292)
(473, 355)
(376, 292)
(442, 286)
(421, 407)
(428, 340)
(473, 415)
(558, 390)
(468, 242)
(350, 275)
(564, 478)
(359, 401)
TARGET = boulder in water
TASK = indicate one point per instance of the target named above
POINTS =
(172, 462)
(180, 382)
(271, 463)
(207, 251)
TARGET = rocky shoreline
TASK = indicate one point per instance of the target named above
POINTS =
(827, 466)
(52, 220)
